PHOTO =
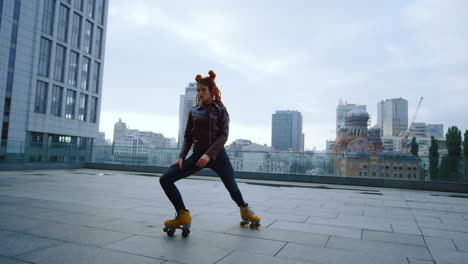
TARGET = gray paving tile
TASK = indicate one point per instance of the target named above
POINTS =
(18, 223)
(462, 245)
(79, 254)
(60, 206)
(81, 219)
(393, 238)
(235, 242)
(444, 234)
(379, 248)
(419, 261)
(76, 234)
(449, 256)
(282, 235)
(350, 222)
(174, 249)
(215, 222)
(449, 221)
(14, 243)
(389, 213)
(153, 229)
(21, 210)
(5, 260)
(320, 212)
(318, 229)
(434, 213)
(332, 255)
(412, 229)
(448, 227)
(440, 243)
(124, 214)
(238, 257)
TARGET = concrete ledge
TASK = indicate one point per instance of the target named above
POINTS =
(39, 166)
(412, 185)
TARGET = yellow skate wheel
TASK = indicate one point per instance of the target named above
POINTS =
(243, 224)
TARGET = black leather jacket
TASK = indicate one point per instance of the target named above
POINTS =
(207, 130)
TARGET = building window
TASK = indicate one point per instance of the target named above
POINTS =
(395, 168)
(85, 73)
(14, 34)
(63, 23)
(365, 173)
(93, 109)
(365, 166)
(88, 36)
(90, 8)
(395, 175)
(41, 97)
(48, 16)
(401, 175)
(78, 4)
(73, 69)
(360, 173)
(95, 80)
(97, 46)
(401, 168)
(374, 173)
(82, 107)
(55, 108)
(76, 31)
(100, 12)
(44, 57)
(414, 168)
(387, 174)
(70, 104)
(59, 63)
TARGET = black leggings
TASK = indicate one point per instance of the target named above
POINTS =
(222, 166)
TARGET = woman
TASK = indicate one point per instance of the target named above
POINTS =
(207, 130)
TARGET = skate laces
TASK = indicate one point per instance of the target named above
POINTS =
(249, 210)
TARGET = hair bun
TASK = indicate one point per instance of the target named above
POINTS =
(212, 74)
(198, 78)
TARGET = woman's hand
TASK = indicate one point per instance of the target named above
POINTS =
(178, 162)
(201, 163)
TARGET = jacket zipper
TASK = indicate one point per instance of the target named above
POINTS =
(210, 127)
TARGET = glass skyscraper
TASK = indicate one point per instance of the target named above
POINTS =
(51, 64)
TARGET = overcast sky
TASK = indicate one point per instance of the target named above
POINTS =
(285, 55)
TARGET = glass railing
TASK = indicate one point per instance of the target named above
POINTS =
(383, 165)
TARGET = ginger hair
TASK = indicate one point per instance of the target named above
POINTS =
(209, 81)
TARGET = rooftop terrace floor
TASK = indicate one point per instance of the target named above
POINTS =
(96, 216)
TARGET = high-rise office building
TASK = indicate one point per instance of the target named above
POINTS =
(341, 112)
(187, 101)
(51, 65)
(392, 116)
(286, 132)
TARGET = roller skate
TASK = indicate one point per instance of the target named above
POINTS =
(182, 221)
(249, 217)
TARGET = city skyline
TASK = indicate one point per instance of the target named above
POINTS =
(317, 54)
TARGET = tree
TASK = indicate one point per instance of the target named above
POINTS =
(465, 152)
(434, 159)
(414, 147)
(449, 165)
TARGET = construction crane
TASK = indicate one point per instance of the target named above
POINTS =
(406, 133)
